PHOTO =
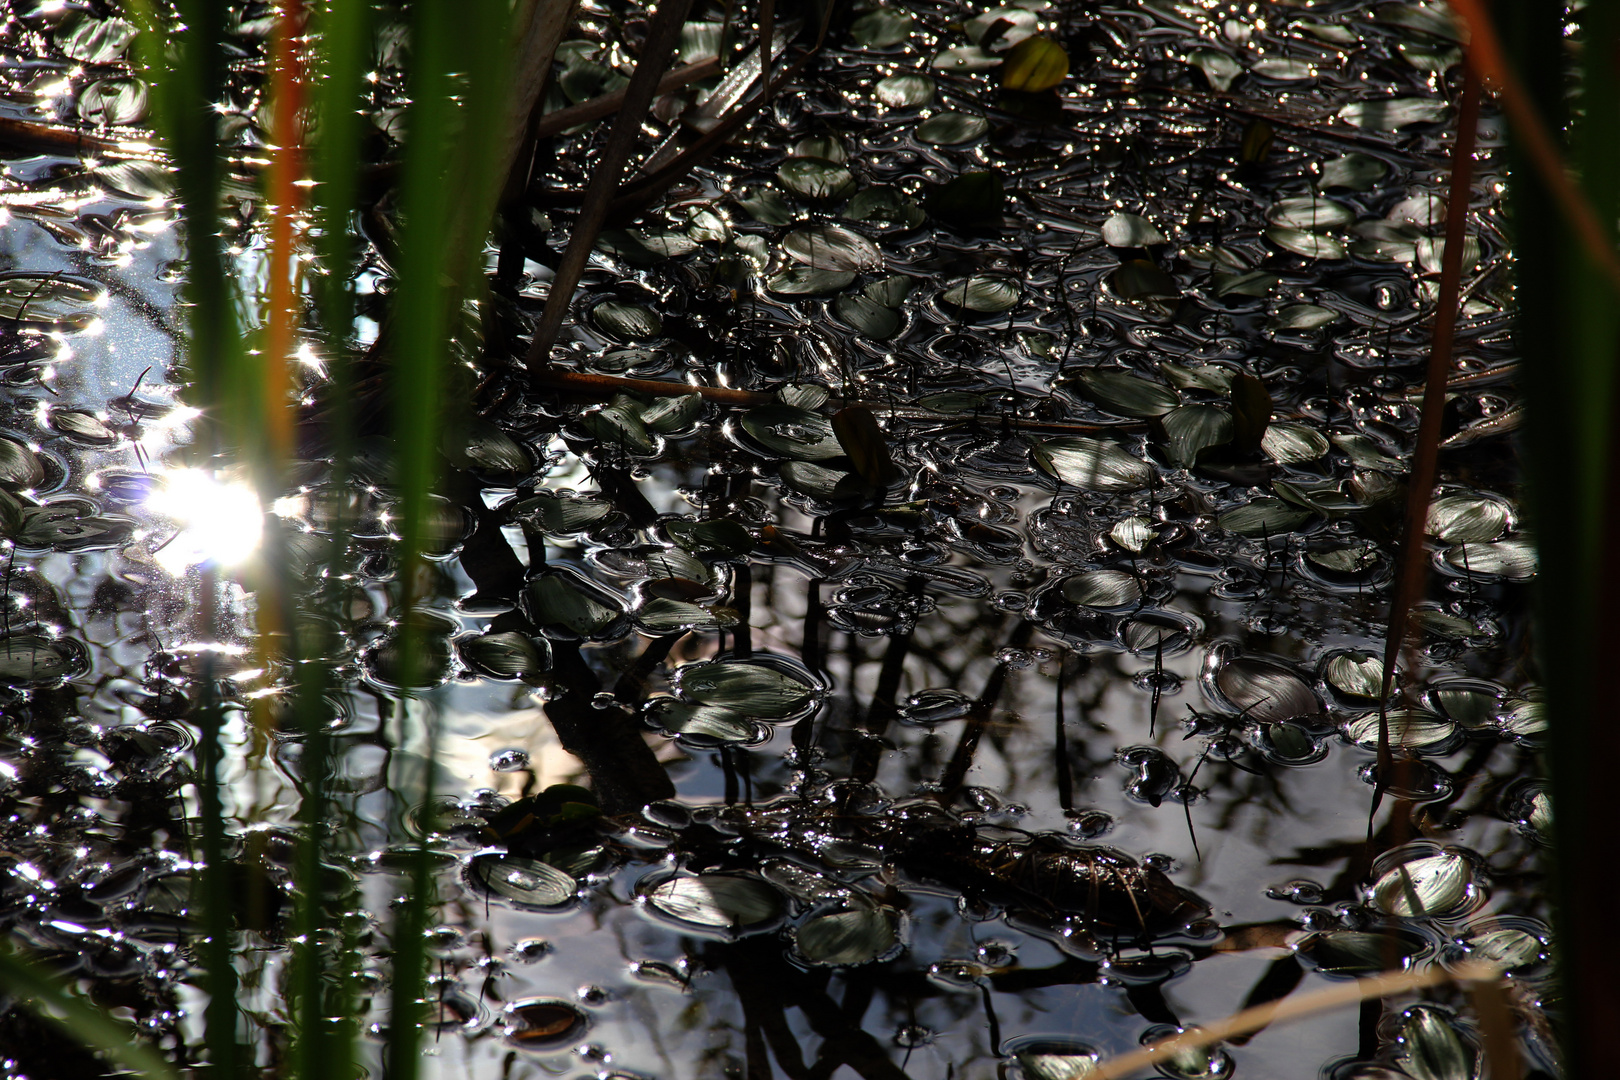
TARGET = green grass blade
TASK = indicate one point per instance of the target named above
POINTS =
(85, 1022)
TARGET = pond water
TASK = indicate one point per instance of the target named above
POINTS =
(997, 690)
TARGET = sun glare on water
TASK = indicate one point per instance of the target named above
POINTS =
(220, 522)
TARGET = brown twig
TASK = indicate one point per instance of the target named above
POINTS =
(662, 35)
(1292, 1008)
(1426, 454)
(586, 112)
(1485, 56)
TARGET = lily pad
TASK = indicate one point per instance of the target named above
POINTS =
(506, 655)
(875, 320)
(816, 179)
(1310, 245)
(92, 40)
(1431, 1049)
(529, 884)
(859, 935)
(792, 433)
(1441, 886)
(881, 29)
(1091, 464)
(113, 102)
(1353, 172)
(808, 281)
(563, 604)
(1303, 317)
(760, 691)
(630, 321)
(951, 128)
(1192, 429)
(1130, 231)
(982, 293)
(734, 903)
(1468, 518)
(50, 300)
(905, 91)
(1218, 67)
(1103, 589)
(1127, 394)
(884, 205)
(1388, 114)
(1409, 729)
(832, 247)
(31, 658)
(1264, 516)
(1355, 674)
(1294, 444)
(1309, 212)
(1514, 560)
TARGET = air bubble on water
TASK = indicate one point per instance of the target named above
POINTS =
(604, 700)
(1017, 659)
(911, 1036)
(510, 760)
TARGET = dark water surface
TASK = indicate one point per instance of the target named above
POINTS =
(1015, 742)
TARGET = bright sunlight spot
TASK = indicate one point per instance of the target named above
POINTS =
(218, 522)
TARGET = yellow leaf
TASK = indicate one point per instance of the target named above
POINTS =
(1034, 64)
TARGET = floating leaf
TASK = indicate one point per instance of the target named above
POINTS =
(36, 659)
(1293, 444)
(951, 128)
(1310, 245)
(1507, 947)
(757, 690)
(531, 885)
(1514, 560)
(821, 146)
(1051, 1062)
(966, 58)
(1263, 517)
(905, 91)
(1431, 250)
(816, 179)
(1388, 114)
(886, 205)
(70, 525)
(618, 423)
(627, 320)
(560, 515)
(881, 29)
(1204, 377)
(766, 207)
(1218, 67)
(81, 427)
(1249, 283)
(1034, 64)
(1354, 172)
(1355, 674)
(792, 433)
(667, 415)
(94, 41)
(111, 102)
(20, 467)
(983, 293)
(1440, 885)
(49, 300)
(1309, 212)
(1431, 1049)
(1126, 394)
(890, 291)
(1350, 560)
(705, 725)
(849, 938)
(1102, 589)
(1130, 231)
(1359, 952)
(1133, 534)
(808, 281)
(662, 615)
(875, 320)
(1409, 729)
(1470, 518)
(506, 655)
(563, 604)
(832, 247)
(665, 244)
(1091, 464)
(1265, 691)
(1433, 20)
(1192, 429)
(720, 537)
(1284, 69)
(730, 902)
(1303, 317)
(540, 1023)
(823, 484)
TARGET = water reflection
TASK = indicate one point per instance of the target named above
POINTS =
(218, 522)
